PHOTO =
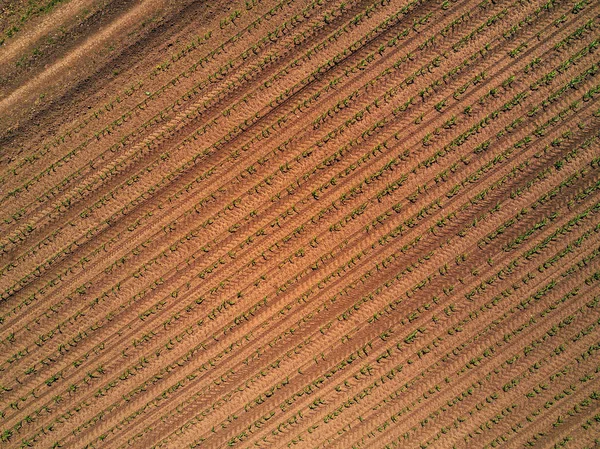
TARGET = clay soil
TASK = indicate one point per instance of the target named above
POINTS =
(300, 224)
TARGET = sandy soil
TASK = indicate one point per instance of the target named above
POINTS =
(300, 224)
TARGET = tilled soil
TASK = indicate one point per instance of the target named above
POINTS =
(299, 224)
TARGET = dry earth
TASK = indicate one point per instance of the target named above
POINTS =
(300, 224)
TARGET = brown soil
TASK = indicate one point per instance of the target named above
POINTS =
(299, 224)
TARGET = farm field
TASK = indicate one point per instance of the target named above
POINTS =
(360, 224)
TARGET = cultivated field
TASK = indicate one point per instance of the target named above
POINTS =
(300, 224)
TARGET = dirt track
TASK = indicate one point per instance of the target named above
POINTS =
(300, 224)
